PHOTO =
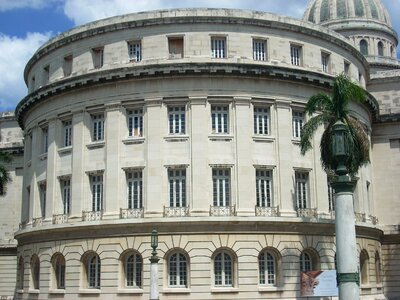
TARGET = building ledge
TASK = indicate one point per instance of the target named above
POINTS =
(177, 290)
(133, 291)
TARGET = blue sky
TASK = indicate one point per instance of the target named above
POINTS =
(26, 24)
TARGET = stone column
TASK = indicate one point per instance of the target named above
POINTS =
(53, 206)
(154, 295)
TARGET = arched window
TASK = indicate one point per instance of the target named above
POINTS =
(268, 268)
(133, 263)
(309, 260)
(21, 271)
(35, 272)
(364, 261)
(58, 263)
(177, 270)
(223, 269)
(378, 268)
(364, 47)
(380, 48)
(92, 268)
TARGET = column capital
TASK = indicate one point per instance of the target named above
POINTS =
(348, 277)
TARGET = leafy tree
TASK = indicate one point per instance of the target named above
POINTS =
(5, 177)
(331, 109)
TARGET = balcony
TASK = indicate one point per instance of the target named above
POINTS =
(131, 213)
(222, 211)
(37, 222)
(359, 217)
(267, 211)
(170, 211)
(60, 219)
(92, 215)
(307, 212)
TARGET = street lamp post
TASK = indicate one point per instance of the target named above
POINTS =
(154, 267)
(348, 278)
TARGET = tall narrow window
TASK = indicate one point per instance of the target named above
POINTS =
(295, 55)
(66, 195)
(306, 263)
(259, 50)
(35, 272)
(97, 127)
(33, 84)
(177, 270)
(93, 270)
(364, 47)
(58, 262)
(325, 62)
(67, 133)
(176, 116)
(42, 194)
(177, 188)
(261, 120)
(297, 123)
(45, 140)
(221, 187)
(67, 65)
(347, 68)
(98, 57)
(378, 268)
(21, 273)
(380, 48)
(264, 188)
(175, 47)
(46, 74)
(97, 192)
(364, 266)
(218, 47)
(267, 268)
(219, 119)
(135, 190)
(223, 269)
(133, 270)
(301, 189)
(135, 51)
(135, 123)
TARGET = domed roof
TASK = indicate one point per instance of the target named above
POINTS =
(324, 11)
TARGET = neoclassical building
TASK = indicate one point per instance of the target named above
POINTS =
(188, 121)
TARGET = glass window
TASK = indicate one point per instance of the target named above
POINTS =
(264, 188)
(66, 195)
(175, 47)
(67, 66)
(42, 196)
(135, 123)
(223, 269)
(177, 188)
(259, 50)
(46, 74)
(97, 127)
(176, 116)
(346, 68)
(364, 47)
(59, 270)
(177, 270)
(21, 273)
(261, 120)
(67, 133)
(45, 140)
(133, 270)
(221, 187)
(135, 190)
(135, 51)
(218, 47)
(98, 57)
(93, 270)
(295, 55)
(35, 267)
(325, 62)
(380, 48)
(306, 263)
(267, 268)
(97, 192)
(301, 189)
(378, 268)
(219, 119)
(364, 265)
(297, 123)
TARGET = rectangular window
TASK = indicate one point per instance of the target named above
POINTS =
(259, 50)
(297, 123)
(325, 62)
(177, 188)
(67, 65)
(301, 189)
(29, 146)
(218, 47)
(295, 55)
(264, 188)
(219, 118)
(66, 195)
(98, 127)
(42, 195)
(135, 123)
(135, 190)
(176, 116)
(45, 140)
(33, 84)
(346, 68)
(98, 57)
(261, 120)
(97, 192)
(175, 47)
(46, 74)
(221, 187)
(67, 133)
(135, 51)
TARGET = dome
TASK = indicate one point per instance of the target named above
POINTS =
(325, 11)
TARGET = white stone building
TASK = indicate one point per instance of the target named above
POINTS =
(188, 121)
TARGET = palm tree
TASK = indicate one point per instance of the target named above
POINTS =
(331, 109)
(4, 174)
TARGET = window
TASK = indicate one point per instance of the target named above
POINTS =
(264, 188)
(42, 196)
(221, 187)
(93, 270)
(346, 68)
(267, 268)
(259, 50)
(261, 120)
(97, 127)
(378, 268)
(21, 271)
(392, 52)
(380, 48)
(364, 47)
(306, 263)
(133, 270)
(33, 84)
(135, 51)
(295, 55)
(175, 47)
(177, 188)
(58, 263)
(219, 118)
(135, 123)
(97, 192)
(176, 116)
(45, 140)
(35, 272)
(67, 65)
(135, 190)
(325, 62)
(66, 195)
(29, 146)
(364, 265)
(223, 269)
(67, 133)
(98, 57)
(218, 47)
(301, 189)
(177, 270)
(297, 123)
(46, 74)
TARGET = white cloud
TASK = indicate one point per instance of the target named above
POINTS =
(14, 54)
(17, 4)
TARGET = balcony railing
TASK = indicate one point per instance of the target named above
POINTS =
(222, 210)
(60, 219)
(92, 215)
(359, 217)
(176, 211)
(131, 213)
(37, 222)
(267, 211)
(307, 212)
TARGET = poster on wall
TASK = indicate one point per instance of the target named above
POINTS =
(318, 284)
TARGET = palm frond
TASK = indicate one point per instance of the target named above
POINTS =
(309, 129)
(318, 102)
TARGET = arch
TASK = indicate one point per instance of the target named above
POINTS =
(309, 260)
(177, 268)
(364, 47)
(378, 268)
(364, 262)
(269, 266)
(91, 270)
(35, 272)
(21, 273)
(58, 265)
(224, 261)
(380, 48)
(132, 269)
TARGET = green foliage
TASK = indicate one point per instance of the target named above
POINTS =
(4, 174)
